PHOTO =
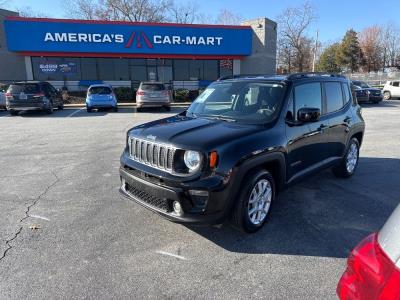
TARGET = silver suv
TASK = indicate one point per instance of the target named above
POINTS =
(153, 94)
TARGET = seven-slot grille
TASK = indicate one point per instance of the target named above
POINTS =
(157, 155)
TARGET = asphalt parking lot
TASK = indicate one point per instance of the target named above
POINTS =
(65, 232)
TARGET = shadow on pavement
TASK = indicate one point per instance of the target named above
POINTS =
(321, 216)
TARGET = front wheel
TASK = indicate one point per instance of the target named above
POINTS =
(387, 95)
(50, 108)
(349, 162)
(14, 112)
(61, 106)
(252, 209)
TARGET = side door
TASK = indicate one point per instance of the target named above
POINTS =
(338, 110)
(306, 144)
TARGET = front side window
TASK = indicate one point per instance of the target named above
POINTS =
(347, 93)
(334, 96)
(308, 95)
(242, 101)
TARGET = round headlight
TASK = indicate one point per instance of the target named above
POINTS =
(192, 160)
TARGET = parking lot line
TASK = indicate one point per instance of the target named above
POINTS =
(75, 112)
(172, 255)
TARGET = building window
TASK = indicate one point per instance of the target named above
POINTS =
(121, 69)
(89, 69)
(181, 69)
(225, 67)
(211, 70)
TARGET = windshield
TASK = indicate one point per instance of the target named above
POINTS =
(361, 84)
(243, 101)
(27, 88)
(100, 90)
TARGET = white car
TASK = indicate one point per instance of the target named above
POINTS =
(153, 94)
(391, 89)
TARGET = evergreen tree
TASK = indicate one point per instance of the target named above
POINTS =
(328, 62)
(350, 56)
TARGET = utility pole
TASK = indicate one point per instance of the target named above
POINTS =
(315, 52)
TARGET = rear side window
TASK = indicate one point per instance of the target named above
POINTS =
(152, 87)
(308, 95)
(395, 83)
(334, 96)
(100, 90)
(27, 88)
(347, 93)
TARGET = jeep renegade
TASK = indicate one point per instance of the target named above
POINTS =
(242, 140)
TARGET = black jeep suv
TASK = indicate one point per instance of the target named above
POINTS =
(240, 142)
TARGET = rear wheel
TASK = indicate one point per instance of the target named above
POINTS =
(14, 112)
(349, 162)
(139, 109)
(61, 106)
(252, 209)
(115, 109)
(88, 109)
(167, 108)
(387, 95)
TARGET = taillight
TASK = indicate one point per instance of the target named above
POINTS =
(140, 93)
(9, 96)
(368, 270)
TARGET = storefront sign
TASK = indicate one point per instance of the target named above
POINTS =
(54, 67)
(67, 36)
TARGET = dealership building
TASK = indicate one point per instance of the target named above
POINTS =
(76, 53)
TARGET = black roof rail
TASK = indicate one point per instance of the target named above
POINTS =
(244, 76)
(313, 74)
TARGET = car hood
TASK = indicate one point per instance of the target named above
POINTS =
(193, 133)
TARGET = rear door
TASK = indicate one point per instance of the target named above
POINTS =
(395, 90)
(338, 110)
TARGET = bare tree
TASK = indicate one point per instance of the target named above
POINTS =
(28, 12)
(370, 43)
(390, 41)
(134, 10)
(82, 9)
(293, 42)
(227, 17)
(184, 13)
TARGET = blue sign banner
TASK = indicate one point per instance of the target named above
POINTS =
(54, 67)
(67, 36)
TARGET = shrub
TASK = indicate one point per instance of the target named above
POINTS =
(124, 94)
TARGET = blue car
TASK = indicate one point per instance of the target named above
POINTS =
(101, 96)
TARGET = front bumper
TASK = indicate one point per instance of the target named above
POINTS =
(158, 195)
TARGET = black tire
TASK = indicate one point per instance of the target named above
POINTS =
(167, 108)
(61, 106)
(14, 112)
(139, 109)
(341, 170)
(387, 95)
(115, 109)
(89, 109)
(240, 214)
(50, 109)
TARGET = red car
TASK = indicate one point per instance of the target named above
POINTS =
(373, 267)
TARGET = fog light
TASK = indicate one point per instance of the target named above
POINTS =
(177, 208)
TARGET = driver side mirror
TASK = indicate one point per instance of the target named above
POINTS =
(308, 114)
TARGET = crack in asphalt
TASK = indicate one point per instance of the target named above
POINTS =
(28, 208)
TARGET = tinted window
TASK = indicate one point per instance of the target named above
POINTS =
(395, 83)
(347, 93)
(100, 90)
(27, 88)
(308, 95)
(152, 87)
(334, 96)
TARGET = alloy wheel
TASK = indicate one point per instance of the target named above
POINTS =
(260, 201)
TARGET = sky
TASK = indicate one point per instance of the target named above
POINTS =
(334, 17)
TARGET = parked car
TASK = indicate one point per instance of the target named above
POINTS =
(240, 142)
(373, 267)
(33, 95)
(153, 94)
(391, 89)
(3, 99)
(101, 96)
(367, 93)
